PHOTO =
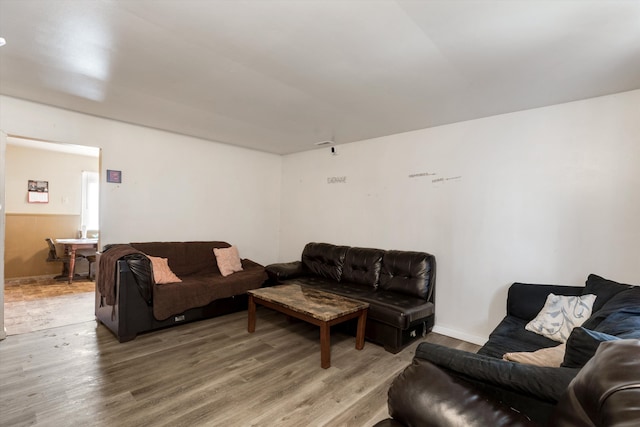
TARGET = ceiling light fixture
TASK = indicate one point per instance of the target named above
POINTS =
(2, 41)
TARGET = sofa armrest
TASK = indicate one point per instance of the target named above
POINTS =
(285, 270)
(542, 383)
(424, 395)
(525, 300)
(130, 313)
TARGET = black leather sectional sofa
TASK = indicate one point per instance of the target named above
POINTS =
(533, 391)
(605, 392)
(398, 285)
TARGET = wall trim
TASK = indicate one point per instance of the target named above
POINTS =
(474, 339)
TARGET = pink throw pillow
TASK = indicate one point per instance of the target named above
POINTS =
(228, 260)
(162, 273)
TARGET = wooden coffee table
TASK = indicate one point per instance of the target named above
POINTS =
(319, 308)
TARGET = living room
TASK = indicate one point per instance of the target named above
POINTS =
(565, 168)
(543, 195)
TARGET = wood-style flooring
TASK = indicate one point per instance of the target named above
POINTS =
(206, 373)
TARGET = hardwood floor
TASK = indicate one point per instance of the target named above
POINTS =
(206, 373)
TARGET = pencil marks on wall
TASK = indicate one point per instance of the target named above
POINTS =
(432, 177)
(337, 180)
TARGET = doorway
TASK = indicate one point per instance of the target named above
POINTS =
(33, 298)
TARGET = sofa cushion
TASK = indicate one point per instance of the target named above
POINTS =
(362, 265)
(324, 259)
(392, 308)
(604, 289)
(526, 299)
(199, 290)
(185, 258)
(510, 335)
(408, 273)
(582, 345)
(396, 309)
(627, 299)
(560, 315)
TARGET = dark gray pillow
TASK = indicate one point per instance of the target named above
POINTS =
(603, 289)
(625, 300)
(582, 345)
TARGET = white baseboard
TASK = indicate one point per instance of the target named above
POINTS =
(474, 339)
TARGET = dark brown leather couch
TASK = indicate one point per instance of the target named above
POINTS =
(398, 285)
(140, 305)
(536, 390)
(605, 393)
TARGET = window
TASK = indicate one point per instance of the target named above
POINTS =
(90, 200)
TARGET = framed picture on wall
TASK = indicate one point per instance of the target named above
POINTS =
(114, 176)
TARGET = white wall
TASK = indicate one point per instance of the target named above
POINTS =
(541, 196)
(173, 187)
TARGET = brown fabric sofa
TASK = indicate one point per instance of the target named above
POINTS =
(129, 302)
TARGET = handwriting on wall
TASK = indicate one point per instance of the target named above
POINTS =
(421, 174)
(337, 180)
(434, 180)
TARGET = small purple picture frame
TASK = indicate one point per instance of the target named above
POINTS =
(114, 176)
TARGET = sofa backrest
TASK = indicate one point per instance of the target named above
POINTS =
(324, 259)
(185, 258)
(411, 273)
(362, 266)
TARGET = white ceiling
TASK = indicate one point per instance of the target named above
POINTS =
(279, 76)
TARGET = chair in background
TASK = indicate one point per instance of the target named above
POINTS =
(54, 257)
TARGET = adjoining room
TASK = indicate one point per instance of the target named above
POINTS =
(52, 195)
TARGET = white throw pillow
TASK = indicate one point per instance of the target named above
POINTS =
(560, 315)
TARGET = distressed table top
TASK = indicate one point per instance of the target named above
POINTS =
(320, 305)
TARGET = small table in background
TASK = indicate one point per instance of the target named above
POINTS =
(71, 246)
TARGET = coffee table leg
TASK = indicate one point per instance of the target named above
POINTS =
(362, 322)
(325, 346)
(251, 309)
